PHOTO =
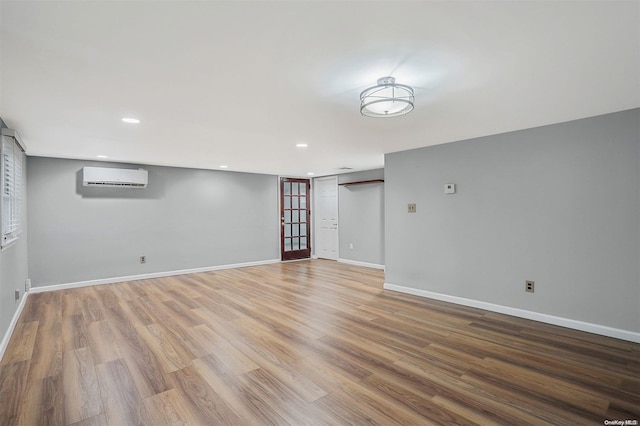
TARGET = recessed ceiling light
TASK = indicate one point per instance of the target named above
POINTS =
(302, 145)
(223, 166)
(102, 156)
(131, 120)
(310, 174)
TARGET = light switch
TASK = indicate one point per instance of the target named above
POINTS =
(449, 188)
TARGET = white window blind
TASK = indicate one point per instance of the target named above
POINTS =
(12, 191)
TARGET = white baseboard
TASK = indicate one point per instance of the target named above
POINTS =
(358, 263)
(296, 260)
(12, 325)
(148, 276)
(549, 319)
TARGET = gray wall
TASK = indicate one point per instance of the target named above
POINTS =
(361, 217)
(558, 204)
(185, 218)
(13, 269)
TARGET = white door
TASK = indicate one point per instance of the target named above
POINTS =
(326, 217)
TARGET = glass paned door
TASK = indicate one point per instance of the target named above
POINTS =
(295, 217)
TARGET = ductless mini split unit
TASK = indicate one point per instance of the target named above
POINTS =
(104, 177)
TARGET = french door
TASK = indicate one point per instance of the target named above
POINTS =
(295, 232)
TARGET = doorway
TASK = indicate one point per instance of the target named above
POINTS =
(295, 215)
(326, 217)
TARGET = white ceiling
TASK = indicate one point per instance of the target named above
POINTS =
(241, 82)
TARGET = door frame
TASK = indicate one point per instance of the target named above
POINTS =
(315, 223)
(309, 209)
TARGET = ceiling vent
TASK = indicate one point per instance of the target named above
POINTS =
(105, 177)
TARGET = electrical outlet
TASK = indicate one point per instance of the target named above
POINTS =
(529, 286)
(17, 294)
(411, 208)
(351, 246)
(27, 285)
(143, 259)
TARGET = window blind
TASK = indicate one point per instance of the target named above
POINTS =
(12, 191)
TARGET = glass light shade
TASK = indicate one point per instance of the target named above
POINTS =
(387, 99)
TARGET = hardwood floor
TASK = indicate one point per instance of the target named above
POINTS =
(312, 342)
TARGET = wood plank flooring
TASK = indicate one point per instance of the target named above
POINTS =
(311, 342)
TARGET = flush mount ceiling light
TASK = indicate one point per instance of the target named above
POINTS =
(386, 99)
(131, 120)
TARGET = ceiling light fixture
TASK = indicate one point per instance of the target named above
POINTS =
(223, 166)
(131, 120)
(102, 156)
(386, 99)
(310, 174)
(302, 145)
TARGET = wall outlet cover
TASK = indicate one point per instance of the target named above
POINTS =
(411, 208)
(449, 188)
(529, 286)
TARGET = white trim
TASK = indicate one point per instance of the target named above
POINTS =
(148, 276)
(358, 263)
(13, 134)
(549, 319)
(295, 260)
(12, 325)
(317, 225)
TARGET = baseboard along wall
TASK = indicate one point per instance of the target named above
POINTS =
(359, 263)
(630, 336)
(12, 325)
(149, 276)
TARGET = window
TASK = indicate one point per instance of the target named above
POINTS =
(12, 166)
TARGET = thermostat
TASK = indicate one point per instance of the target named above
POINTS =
(449, 188)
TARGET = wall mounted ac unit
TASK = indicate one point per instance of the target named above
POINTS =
(114, 178)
